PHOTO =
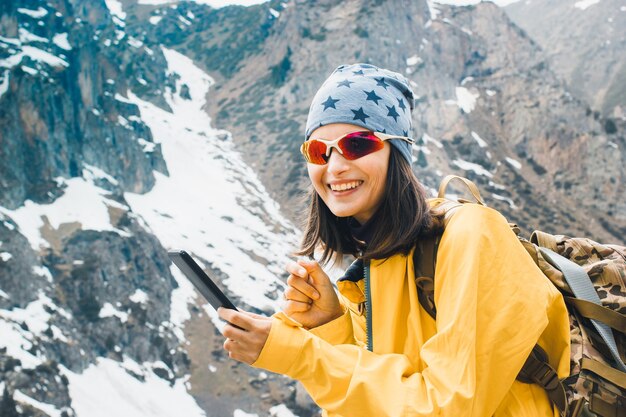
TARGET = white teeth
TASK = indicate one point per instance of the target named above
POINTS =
(345, 186)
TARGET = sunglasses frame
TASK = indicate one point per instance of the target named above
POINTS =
(330, 144)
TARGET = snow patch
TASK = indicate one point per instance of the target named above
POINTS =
(35, 14)
(470, 166)
(146, 146)
(5, 296)
(414, 60)
(82, 203)
(5, 256)
(155, 19)
(116, 9)
(29, 70)
(585, 4)
(26, 37)
(428, 139)
(182, 296)
(274, 13)
(479, 140)
(42, 271)
(465, 99)
(35, 54)
(514, 163)
(48, 409)
(185, 21)
(108, 310)
(281, 410)
(241, 413)
(507, 200)
(92, 173)
(139, 296)
(34, 315)
(17, 342)
(4, 86)
(105, 389)
(135, 43)
(434, 11)
(60, 40)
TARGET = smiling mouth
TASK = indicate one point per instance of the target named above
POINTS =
(346, 186)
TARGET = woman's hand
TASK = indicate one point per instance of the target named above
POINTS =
(310, 297)
(244, 344)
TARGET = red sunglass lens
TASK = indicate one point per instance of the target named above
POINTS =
(316, 152)
(359, 145)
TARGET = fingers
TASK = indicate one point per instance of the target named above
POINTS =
(244, 345)
(291, 307)
(294, 269)
(236, 319)
(314, 271)
(256, 316)
(292, 294)
(302, 285)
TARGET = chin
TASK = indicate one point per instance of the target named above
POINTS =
(343, 212)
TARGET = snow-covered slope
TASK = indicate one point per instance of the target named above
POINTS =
(211, 204)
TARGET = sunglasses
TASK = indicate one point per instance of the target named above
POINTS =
(352, 146)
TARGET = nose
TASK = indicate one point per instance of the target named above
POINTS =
(336, 162)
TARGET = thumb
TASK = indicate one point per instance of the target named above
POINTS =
(315, 271)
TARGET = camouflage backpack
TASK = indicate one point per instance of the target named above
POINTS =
(592, 278)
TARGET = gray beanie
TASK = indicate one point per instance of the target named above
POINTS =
(362, 94)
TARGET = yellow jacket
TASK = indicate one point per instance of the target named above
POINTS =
(493, 305)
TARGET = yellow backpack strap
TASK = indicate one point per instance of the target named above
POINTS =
(473, 189)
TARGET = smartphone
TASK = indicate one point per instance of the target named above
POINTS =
(200, 279)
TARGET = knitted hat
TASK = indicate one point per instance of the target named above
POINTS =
(362, 94)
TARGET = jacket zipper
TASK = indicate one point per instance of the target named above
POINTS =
(368, 307)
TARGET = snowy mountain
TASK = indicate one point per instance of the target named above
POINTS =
(134, 127)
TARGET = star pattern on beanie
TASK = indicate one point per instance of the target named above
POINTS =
(330, 102)
(401, 104)
(345, 83)
(381, 82)
(392, 112)
(372, 96)
(359, 114)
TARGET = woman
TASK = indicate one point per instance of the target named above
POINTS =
(373, 350)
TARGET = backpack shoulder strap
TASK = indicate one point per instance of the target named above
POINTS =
(424, 259)
(583, 289)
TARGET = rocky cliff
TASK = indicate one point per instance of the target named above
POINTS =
(584, 43)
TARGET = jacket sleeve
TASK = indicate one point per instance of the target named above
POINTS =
(338, 331)
(492, 304)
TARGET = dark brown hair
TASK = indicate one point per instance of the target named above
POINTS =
(403, 217)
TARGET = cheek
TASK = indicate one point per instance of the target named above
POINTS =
(379, 181)
(315, 176)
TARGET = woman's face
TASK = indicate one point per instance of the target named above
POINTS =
(363, 178)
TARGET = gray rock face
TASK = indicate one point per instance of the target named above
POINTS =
(67, 102)
(584, 43)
